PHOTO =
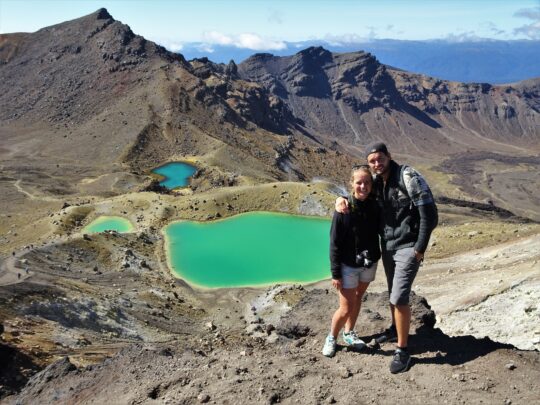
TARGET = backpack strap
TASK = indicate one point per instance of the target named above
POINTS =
(401, 182)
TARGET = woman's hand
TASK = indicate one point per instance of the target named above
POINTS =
(342, 205)
(337, 284)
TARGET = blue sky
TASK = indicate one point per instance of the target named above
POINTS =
(266, 25)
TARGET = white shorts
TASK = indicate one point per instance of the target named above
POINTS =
(351, 276)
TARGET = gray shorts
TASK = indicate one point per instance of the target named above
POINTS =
(400, 267)
(351, 276)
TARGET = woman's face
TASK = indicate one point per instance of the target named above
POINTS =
(361, 184)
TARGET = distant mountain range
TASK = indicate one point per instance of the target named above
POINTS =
(485, 61)
(99, 94)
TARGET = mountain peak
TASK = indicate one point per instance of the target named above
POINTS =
(103, 14)
(316, 52)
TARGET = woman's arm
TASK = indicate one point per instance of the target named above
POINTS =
(336, 238)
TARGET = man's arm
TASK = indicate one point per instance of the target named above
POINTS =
(428, 222)
(422, 198)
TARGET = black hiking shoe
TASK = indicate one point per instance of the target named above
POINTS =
(401, 362)
(389, 335)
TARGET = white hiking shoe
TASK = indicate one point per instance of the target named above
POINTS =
(352, 339)
(329, 348)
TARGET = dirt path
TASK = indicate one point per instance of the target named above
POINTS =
(10, 273)
(17, 185)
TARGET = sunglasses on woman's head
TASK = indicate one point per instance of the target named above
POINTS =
(356, 167)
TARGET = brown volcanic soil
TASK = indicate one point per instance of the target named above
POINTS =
(510, 182)
(222, 365)
(88, 298)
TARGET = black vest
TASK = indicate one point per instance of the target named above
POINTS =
(400, 220)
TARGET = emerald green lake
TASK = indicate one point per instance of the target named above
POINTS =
(106, 223)
(250, 249)
(176, 174)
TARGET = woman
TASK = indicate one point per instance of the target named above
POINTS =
(354, 252)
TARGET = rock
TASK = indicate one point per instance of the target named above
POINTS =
(86, 237)
(252, 328)
(344, 372)
(510, 366)
(272, 338)
(300, 342)
(274, 398)
(56, 370)
(210, 326)
(203, 398)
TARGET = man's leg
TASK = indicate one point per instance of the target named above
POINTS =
(389, 270)
(402, 316)
(406, 268)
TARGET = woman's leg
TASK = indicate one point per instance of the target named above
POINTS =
(353, 314)
(347, 303)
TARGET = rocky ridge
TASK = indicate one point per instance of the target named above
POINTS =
(355, 99)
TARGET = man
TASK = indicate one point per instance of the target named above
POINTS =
(408, 217)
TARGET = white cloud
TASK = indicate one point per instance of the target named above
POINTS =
(170, 45)
(345, 39)
(205, 48)
(372, 34)
(468, 36)
(253, 41)
(530, 13)
(491, 26)
(531, 30)
(246, 40)
(217, 38)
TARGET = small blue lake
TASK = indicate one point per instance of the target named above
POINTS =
(107, 223)
(175, 174)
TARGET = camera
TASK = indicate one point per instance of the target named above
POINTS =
(363, 259)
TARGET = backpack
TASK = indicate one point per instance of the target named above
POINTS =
(403, 188)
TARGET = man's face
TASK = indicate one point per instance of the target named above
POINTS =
(379, 162)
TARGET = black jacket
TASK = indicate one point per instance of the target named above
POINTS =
(358, 227)
(406, 220)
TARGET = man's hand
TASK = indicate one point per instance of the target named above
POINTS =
(419, 256)
(342, 205)
(337, 284)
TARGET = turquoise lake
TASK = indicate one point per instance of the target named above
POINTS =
(176, 174)
(107, 223)
(253, 249)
